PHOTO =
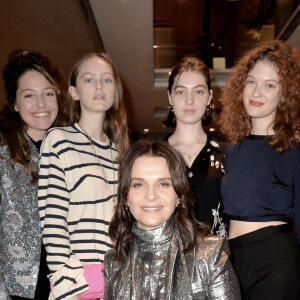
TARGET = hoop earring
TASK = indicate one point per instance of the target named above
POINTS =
(178, 203)
(127, 211)
(171, 108)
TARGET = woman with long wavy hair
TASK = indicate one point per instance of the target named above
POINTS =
(78, 179)
(261, 188)
(160, 249)
(34, 95)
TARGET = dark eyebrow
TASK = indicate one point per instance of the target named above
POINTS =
(160, 178)
(30, 90)
(181, 86)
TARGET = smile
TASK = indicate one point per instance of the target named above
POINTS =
(255, 103)
(151, 209)
(41, 114)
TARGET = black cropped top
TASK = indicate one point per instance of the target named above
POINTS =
(261, 184)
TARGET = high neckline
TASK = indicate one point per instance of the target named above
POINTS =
(156, 236)
(258, 137)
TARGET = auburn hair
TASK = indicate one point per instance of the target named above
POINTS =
(234, 121)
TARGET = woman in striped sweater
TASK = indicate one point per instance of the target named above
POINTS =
(78, 177)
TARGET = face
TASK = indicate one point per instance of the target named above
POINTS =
(151, 198)
(95, 86)
(262, 93)
(36, 103)
(189, 97)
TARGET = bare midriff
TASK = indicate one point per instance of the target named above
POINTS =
(238, 228)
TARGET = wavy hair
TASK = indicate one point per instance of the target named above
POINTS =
(115, 122)
(234, 121)
(12, 127)
(121, 223)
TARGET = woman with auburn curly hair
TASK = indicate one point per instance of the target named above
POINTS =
(34, 97)
(78, 179)
(160, 250)
(261, 188)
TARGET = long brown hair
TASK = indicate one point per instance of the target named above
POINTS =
(115, 122)
(234, 121)
(12, 127)
(121, 225)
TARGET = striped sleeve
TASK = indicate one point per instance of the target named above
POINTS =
(66, 271)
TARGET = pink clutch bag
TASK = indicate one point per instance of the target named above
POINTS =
(93, 274)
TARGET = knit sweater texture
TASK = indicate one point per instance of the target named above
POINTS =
(75, 205)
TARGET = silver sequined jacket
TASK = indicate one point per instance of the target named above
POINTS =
(20, 230)
(158, 269)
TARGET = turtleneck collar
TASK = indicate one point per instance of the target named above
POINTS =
(156, 236)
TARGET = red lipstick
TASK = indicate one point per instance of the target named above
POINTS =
(255, 103)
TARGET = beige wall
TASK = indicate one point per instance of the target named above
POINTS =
(126, 28)
(56, 28)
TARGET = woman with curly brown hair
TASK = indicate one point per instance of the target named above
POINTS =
(261, 188)
(34, 95)
(160, 250)
(78, 179)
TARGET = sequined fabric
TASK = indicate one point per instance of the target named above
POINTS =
(20, 233)
(157, 268)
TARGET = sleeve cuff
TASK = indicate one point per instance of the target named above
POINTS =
(68, 281)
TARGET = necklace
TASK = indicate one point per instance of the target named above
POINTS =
(112, 193)
(191, 155)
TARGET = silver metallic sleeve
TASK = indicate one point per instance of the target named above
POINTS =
(157, 268)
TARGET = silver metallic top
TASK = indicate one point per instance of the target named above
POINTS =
(157, 268)
(20, 230)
